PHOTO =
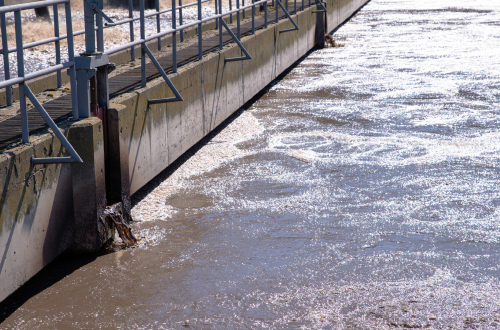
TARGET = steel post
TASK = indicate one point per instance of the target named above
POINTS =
(88, 13)
(5, 50)
(200, 33)
(57, 44)
(243, 4)
(131, 27)
(100, 28)
(174, 39)
(231, 8)
(180, 20)
(158, 26)
(276, 9)
(220, 26)
(143, 52)
(20, 73)
(253, 18)
(238, 23)
(265, 15)
(71, 57)
(216, 12)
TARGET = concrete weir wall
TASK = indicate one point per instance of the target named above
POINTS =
(46, 209)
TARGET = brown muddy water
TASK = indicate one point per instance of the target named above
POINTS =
(366, 196)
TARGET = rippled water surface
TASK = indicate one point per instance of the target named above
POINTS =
(370, 200)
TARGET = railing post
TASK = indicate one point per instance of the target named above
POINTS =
(243, 5)
(230, 8)
(180, 20)
(88, 13)
(276, 9)
(91, 61)
(294, 6)
(174, 39)
(20, 73)
(5, 50)
(57, 43)
(221, 45)
(131, 26)
(238, 29)
(253, 17)
(158, 26)
(216, 12)
(265, 14)
(71, 57)
(100, 28)
(200, 33)
(143, 37)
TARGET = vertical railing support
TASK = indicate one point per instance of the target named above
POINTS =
(89, 13)
(158, 26)
(143, 52)
(265, 15)
(174, 39)
(57, 43)
(180, 20)
(20, 73)
(220, 26)
(5, 51)
(253, 17)
(230, 8)
(243, 5)
(71, 57)
(200, 33)
(238, 23)
(131, 27)
(216, 12)
(100, 28)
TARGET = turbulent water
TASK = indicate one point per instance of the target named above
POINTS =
(370, 200)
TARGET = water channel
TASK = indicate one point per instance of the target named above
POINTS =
(365, 196)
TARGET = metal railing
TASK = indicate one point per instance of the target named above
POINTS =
(93, 66)
(22, 78)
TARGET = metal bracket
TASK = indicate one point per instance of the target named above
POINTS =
(247, 55)
(75, 158)
(320, 2)
(178, 96)
(296, 28)
(96, 8)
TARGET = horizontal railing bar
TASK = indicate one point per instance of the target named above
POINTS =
(10, 82)
(37, 74)
(49, 70)
(125, 46)
(182, 27)
(31, 5)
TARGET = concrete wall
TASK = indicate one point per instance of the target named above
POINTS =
(46, 209)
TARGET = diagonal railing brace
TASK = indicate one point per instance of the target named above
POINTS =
(324, 10)
(178, 96)
(295, 28)
(247, 55)
(75, 158)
